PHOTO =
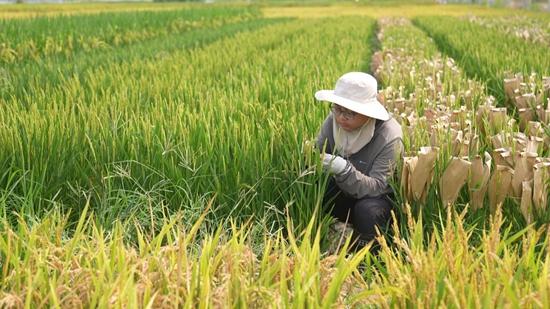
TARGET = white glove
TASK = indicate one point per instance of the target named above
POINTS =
(335, 164)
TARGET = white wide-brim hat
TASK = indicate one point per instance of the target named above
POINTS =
(356, 91)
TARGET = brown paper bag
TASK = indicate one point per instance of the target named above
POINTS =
(499, 185)
(456, 142)
(460, 116)
(534, 128)
(520, 142)
(533, 144)
(421, 176)
(519, 102)
(510, 85)
(431, 115)
(527, 201)
(408, 165)
(527, 100)
(523, 171)
(525, 115)
(376, 61)
(400, 104)
(412, 119)
(540, 185)
(498, 118)
(498, 141)
(547, 117)
(503, 156)
(540, 99)
(482, 116)
(480, 172)
(471, 146)
(453, 179)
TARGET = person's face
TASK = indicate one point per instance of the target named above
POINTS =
(347, 119)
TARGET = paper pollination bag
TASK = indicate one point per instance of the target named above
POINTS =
(541, 172)
(411, 118)
(434, 136)
(525, 116)
(534, 128)
(457, 140)
(409, 164)
(453, 179)
(534, 144)
(455, 126)
(510, 86)
(527, 100)
(503, 156)
(480, 171)
(523, 171)
(460, 116)
(471, 144)
(526, 205)
(400, 104)
(376, 61)
(520, 143)
(498, 118)
(482, 116)
(498, 141)
(421, 176)
(499, 185)
(543, 114)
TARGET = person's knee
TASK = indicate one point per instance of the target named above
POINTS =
(375, 208)
(370, 213)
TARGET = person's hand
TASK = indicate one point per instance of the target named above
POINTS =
(334, 164)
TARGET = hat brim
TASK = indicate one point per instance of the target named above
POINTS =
(373, 108)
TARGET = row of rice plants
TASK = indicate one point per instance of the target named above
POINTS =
(94, 267)
(458, 266)
(171, 131)
(51, 73)
(82, 142)
(526, 27)
(487, 54)
(11, 11)
(459, 132)
(37, 38)
(54, 263)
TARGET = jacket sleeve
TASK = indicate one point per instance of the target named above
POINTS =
(323, 137)
(359, 185)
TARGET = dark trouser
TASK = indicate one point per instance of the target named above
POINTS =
(364, 214)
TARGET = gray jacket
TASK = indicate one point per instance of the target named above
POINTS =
(373, 164)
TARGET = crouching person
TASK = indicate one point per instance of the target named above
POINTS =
(361, 144)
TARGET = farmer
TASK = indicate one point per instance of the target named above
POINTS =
(361, 144)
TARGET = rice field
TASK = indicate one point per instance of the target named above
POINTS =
(155, 157)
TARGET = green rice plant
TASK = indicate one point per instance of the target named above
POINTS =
(447, 267)
(41, 37)
(525, 27)
(189, 125)
(486, 54)
(11, 11)
(52, 263)
(18, 78)
(438, 106)
(55, 263)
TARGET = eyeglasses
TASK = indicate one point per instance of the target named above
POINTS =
(346, 113)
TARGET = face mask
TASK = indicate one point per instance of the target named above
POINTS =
(348, 143)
